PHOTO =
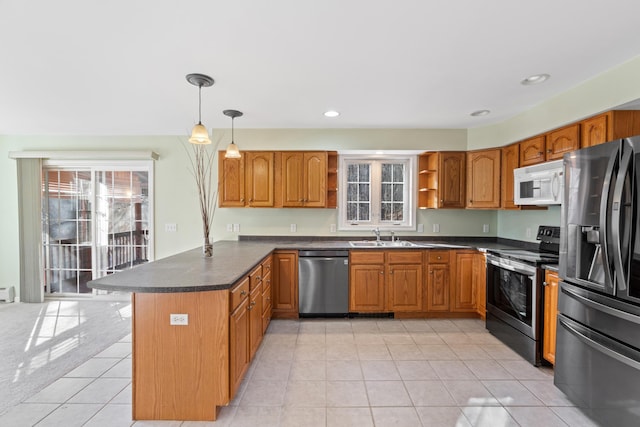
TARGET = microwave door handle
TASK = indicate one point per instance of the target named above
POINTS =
(604, 216)
(555, 185)
(616, 212)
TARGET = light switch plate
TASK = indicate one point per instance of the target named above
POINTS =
(436, 228)
(293, 228)
(485, 228)
(420, 228)
(171, 228)
(236, 228)
(230, 228)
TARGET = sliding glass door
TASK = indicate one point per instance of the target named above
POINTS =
(96, 221)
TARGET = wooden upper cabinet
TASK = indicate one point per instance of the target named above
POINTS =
(562, 141)
(609, 126)
(510, 161)
(259, 166)
(231, 181)
(304, 179)
(532, 151)
(441, 180)
(483, 179)
(452, 179)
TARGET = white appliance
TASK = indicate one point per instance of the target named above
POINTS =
(541, 184)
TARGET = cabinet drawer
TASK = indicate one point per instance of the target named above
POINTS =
(239, 293)
(266, 297)
(438, 256)
(266, 265)
(366, 257)
(255, 277)
(404, 257)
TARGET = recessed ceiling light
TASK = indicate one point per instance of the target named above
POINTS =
(535, 79)
(480, 113)
(331, 113)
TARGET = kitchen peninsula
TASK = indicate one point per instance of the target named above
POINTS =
(197, 322)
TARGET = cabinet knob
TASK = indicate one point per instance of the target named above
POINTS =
(243, 293)
(259, 278)
(544, 283)
(391, 272)
(382, 272)
(242, 199)
(540, 153)
(250, 200)
(439, 257)
(430, 271)
(268, 298)
(549, 151)
(301, 200)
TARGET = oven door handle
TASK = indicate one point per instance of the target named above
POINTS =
(496, 261)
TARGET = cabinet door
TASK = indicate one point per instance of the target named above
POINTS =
(532, 151)
(259, 178)
(238, 345)
(231, 183)
(483, 179)
(510, 161)
(292, 179)
(480, 278)
(438, 287)
(452, 180)
(255, 320)
(405, 287)
(561, 141)
(550, 316)
(366, 288)
(285, 284)
(463, 285)
(315, 180)
(595, 130)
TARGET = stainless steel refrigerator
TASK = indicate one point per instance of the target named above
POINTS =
(598, 335)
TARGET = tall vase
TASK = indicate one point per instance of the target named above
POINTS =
(207, 248)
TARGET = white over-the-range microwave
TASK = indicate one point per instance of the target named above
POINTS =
(541, 184)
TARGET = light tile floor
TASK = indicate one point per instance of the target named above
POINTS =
(359, 372)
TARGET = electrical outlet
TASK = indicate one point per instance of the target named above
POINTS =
(293, 228)
(528, 231)
(485, 228)
(332, 228)
(171, 228)
(436, 228)
(230, 228)
(179, 319)
(236, 228)
(420, 228)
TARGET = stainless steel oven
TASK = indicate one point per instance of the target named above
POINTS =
(514, 305)
(515, 296)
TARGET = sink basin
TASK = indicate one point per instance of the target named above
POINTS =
(382, 244)
(365, 244)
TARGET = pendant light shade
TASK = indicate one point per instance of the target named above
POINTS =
(199, 134)
(232, 149)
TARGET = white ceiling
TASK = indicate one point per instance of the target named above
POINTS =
(118, 67)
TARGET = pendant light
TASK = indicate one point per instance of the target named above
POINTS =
(199, 134)
(232, 149)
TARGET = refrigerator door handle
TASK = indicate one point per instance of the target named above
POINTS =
(616, 209)
(575, 329)
(604, 216)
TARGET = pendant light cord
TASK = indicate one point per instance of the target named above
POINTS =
(232, 119)
(200, 104)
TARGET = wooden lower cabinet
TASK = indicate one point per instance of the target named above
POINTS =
(438, 287)
(238, 345)
(284, 284)
(464, 287)
(404, 281)
(255, 320)
(550, 316)
(366, 288)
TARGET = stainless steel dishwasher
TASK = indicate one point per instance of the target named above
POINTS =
(323, 283)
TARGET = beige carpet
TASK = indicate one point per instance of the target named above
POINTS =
(41, 342)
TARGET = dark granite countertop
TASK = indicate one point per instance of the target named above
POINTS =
(191, 272)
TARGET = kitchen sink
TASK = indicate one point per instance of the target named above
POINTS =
(382, 244)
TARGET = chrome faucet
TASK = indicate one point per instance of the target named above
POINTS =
(393, 236)
(376, 231)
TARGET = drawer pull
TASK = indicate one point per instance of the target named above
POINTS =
(243, 293)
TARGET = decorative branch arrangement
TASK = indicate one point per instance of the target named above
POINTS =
(202, 162)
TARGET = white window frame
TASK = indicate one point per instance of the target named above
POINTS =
(409, 223)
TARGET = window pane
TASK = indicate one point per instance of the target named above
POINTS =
(352, 211)
(352, 192)
(364, 173)
(363, 212)
(398, 214)
(398, 173)
(352, 173)
(397, 192)
(386, 192)
(385, 212)
(364, 193)
(386, 172)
